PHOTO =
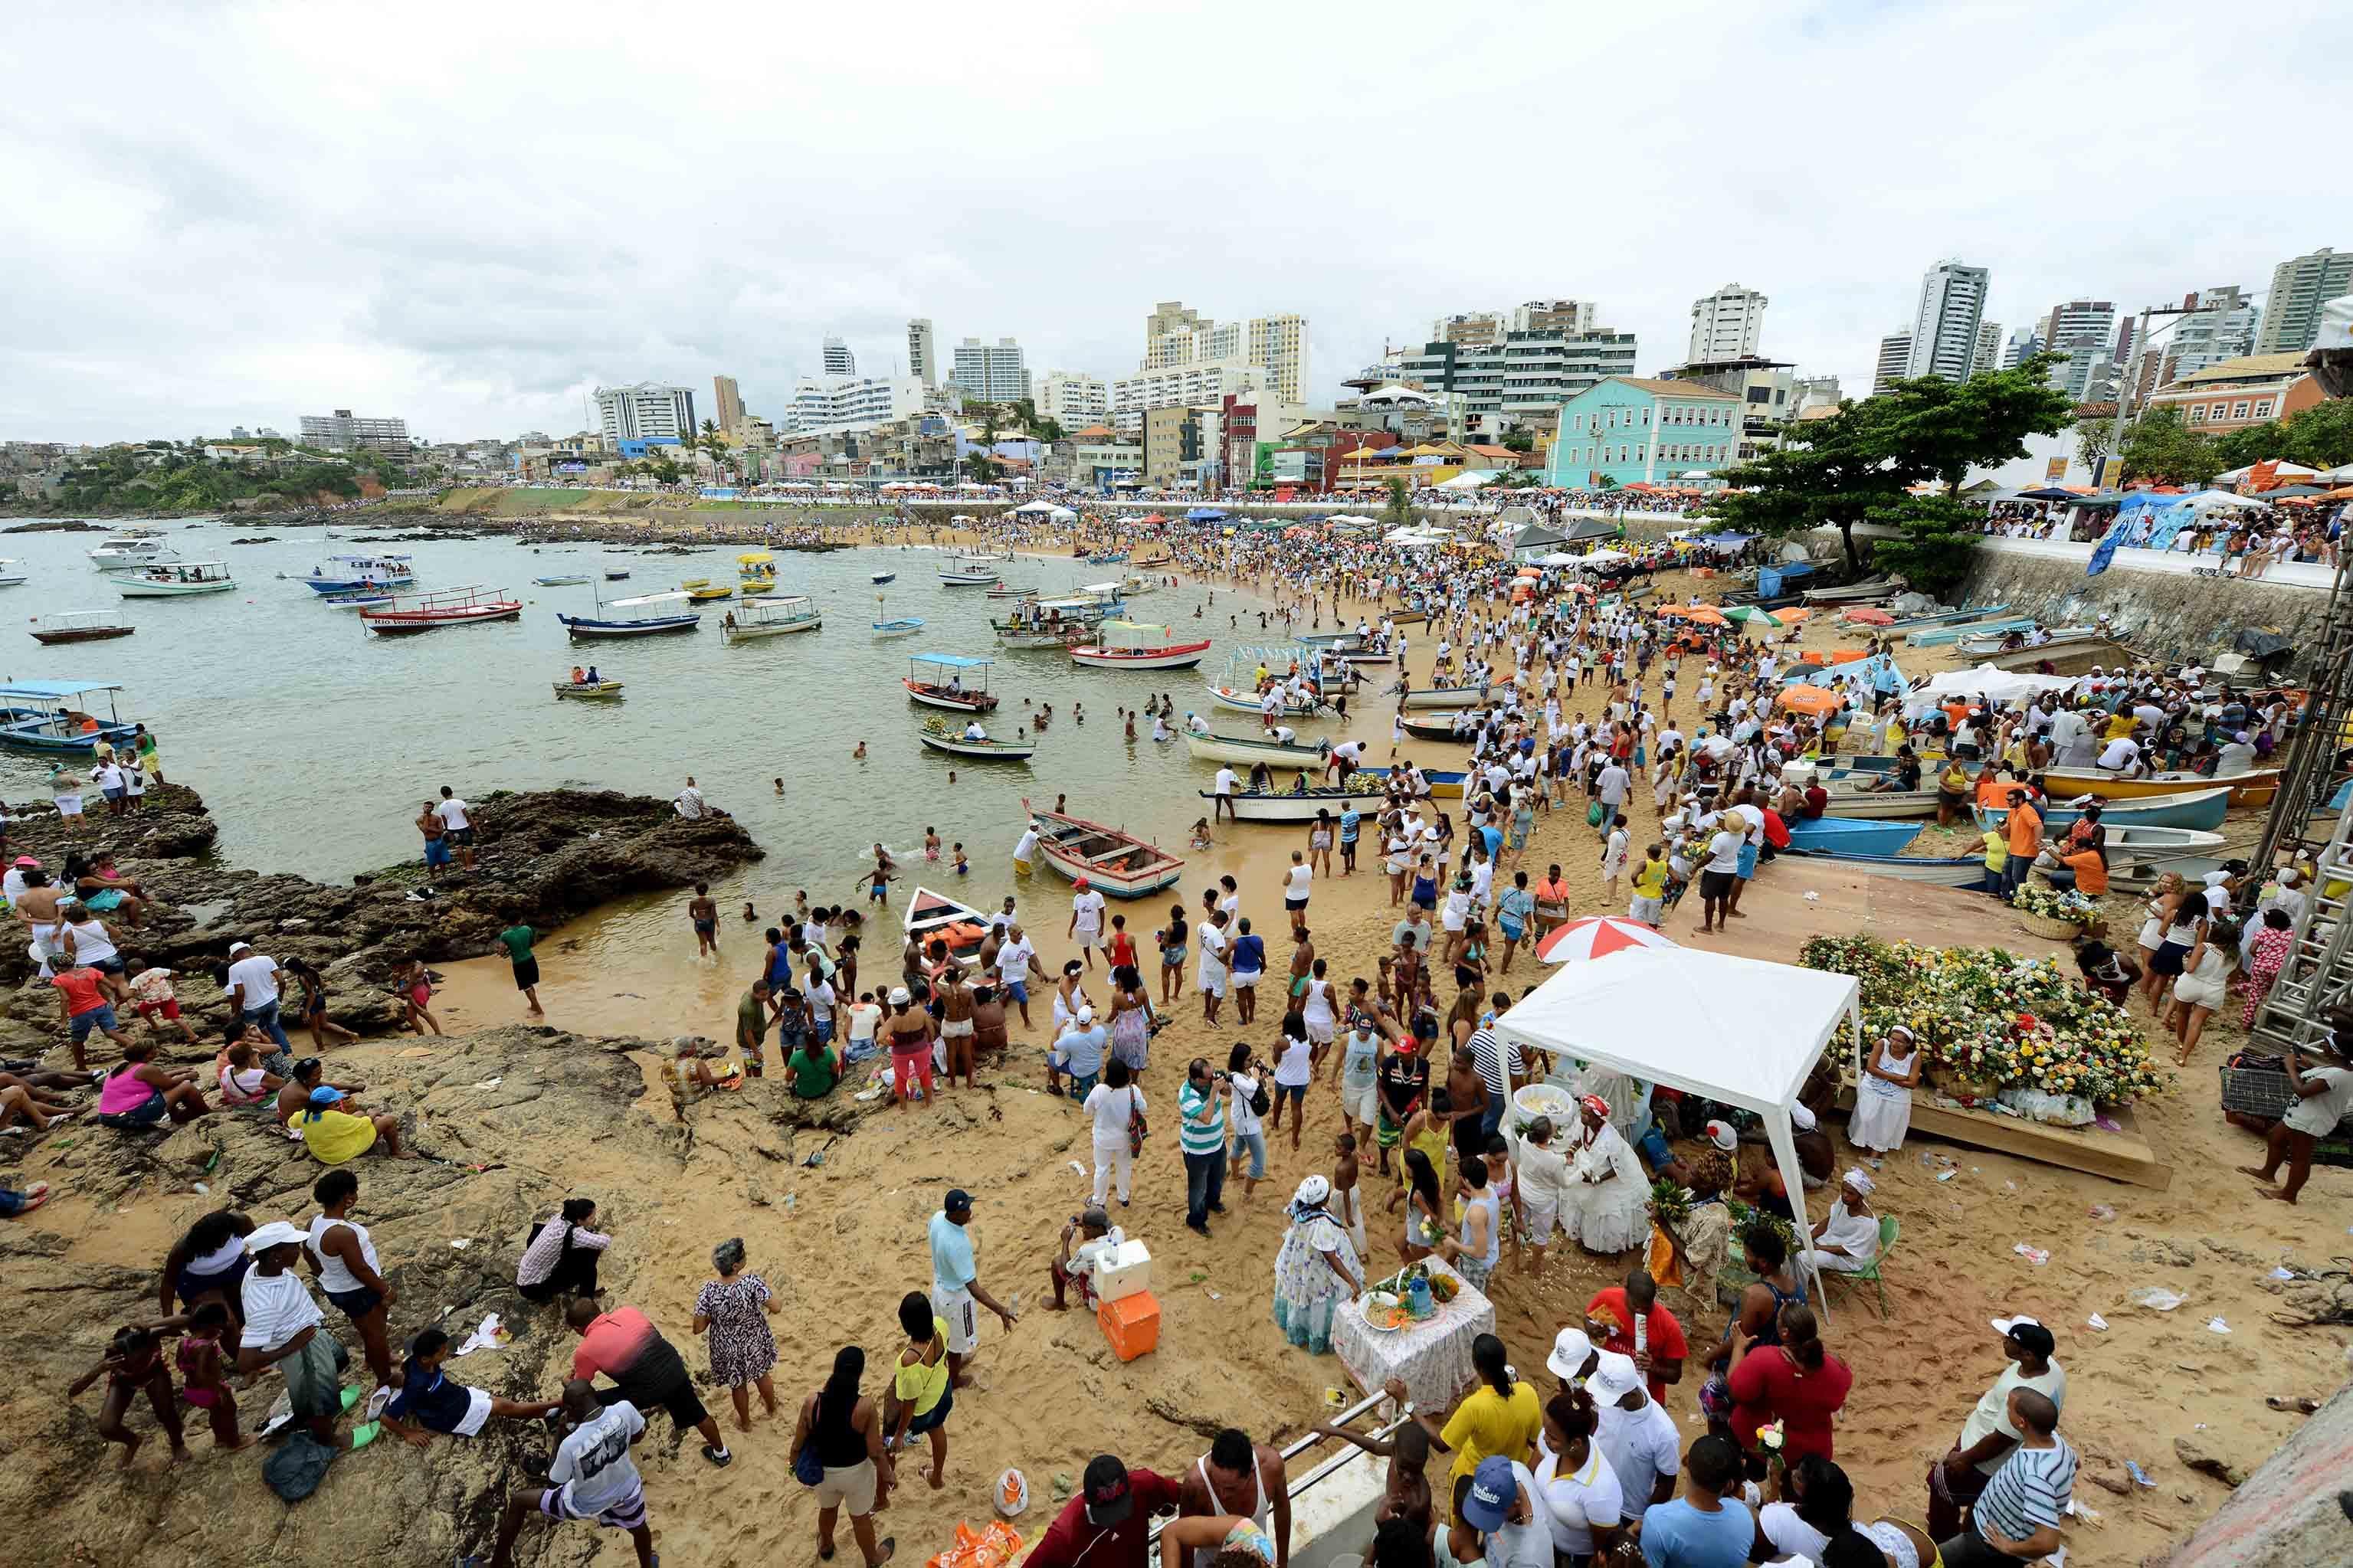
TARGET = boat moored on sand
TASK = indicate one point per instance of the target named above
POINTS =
(1114, 861)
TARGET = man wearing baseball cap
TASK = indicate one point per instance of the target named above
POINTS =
(1499, 1515)
(1573, 1358)
(1103, 1527)
(282, 1328)
(1086, 920)
(955, 1284)
(1634, 1433)
(1988, 1436)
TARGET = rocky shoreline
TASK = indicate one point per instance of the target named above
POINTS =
(542, 857)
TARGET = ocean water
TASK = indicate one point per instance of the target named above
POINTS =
(314, 743)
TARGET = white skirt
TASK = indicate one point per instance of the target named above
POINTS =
(1879, 1119)
(1606, 1217)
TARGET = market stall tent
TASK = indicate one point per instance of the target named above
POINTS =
(1738, 1030)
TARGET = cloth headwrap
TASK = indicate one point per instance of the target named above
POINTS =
(1596, 1104)
(1860, 1180)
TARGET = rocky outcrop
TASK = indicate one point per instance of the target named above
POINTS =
(542, 858)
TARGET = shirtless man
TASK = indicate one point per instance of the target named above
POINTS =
(1407, 1452)
(1241, 1480)
(38, 903)
(1467, 1093)
(1347, 1204)
(957, 1028)
(703, 910)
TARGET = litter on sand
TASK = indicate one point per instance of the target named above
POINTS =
(488, 1335)
(1081, 1170)
(2033, 1255)
(1947, 1175)
(2157, 1299)
(2217, 1326)
(2132, 1468)
(2096, 1321)
(462, 1243)
(2279, 1273)
(490, 1083)
(2103, 1211)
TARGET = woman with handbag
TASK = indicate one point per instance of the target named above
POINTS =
(1116, 1106)
(838, 1452)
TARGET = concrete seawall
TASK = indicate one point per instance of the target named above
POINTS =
(2157, 603)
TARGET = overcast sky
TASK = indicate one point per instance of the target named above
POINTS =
(470, 216)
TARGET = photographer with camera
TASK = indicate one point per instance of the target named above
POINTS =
(1201, 1133)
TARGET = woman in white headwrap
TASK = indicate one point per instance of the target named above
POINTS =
(1848, 1239)
(1605, 1205)
(1316, 1271)
(1882, 1100)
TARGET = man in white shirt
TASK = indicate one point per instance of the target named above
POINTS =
(253, 990)
(2121, 757)
(1635, 1435)
(282, 1329)
(593, 1476)
(458, 823)
(1506, 1507)
(1015, 962)
(1086, 920)
(1221, 804)
(1610, 787)
(1210, 938)
(1719, 877)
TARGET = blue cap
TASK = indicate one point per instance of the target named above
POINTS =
(325, 1094)
(1494, 1490)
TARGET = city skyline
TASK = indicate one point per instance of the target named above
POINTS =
(186, 284)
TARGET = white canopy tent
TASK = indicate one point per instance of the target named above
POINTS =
(1740, 1030)
(1470, 480)
(2007, 687)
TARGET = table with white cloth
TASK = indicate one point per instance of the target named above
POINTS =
(1432, 1357)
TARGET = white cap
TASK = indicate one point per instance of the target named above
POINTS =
(1570, 1351)
(1086, 1014)
(1614, 1377)
(2003, 1326)
(277, 1232)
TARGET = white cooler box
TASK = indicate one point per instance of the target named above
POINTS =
(1126, 1272)
(1798, 772)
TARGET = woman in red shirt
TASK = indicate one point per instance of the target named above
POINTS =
(1797, 1383)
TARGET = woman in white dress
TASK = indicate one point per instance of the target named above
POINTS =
(1316, 1269)
(1848, 1239)
(1605, 1205)
(1882, 1100)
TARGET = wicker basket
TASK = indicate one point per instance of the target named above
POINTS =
(2049, 926)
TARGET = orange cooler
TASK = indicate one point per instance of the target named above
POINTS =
(1132, 1324)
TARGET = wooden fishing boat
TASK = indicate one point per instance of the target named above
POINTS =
(950, 693)
(570, 580)
(1107, 558)
(176, 580)
(1445, 784)
(1297, 807)
(357, 599)
(1216, 748)
(2128, 849)
(1243, 702)
(935, 916)
(1011, 590)
(771, 616)
(879, 578)
(1447, 697)
(80, 626)
(1435, 727)
(1853, 836)
(587, 689)
(1137, 583)
(2200, 809)
(1949, 618)
(703, 591)
(959, 574)
(1358, 655)
(409, 614)
(1113, 861)
(1849, 798)
(659, 624)
(1987, 642)
(1137, 644)
(12, 572)
(621, 575)
(1063, 639)
(51, 716)
(942, 736)
(1335, 641)
(898, 628)
(1850, 593)
(2254, 788)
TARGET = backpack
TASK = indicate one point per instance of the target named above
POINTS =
(295, 1470)
(1261, 1101)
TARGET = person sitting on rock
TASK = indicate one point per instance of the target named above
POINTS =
(295, 1097)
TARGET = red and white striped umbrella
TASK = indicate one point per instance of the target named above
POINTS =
(1597, 936)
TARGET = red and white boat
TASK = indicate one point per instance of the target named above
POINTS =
(410, 613)
(1118, 862)
(1134, 645)
(937, 680)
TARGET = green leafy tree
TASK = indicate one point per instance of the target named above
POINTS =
(1045, 429)
(2320, 436)
(1519, 441)
(1400, 508)
(2161, 449)
(665, 470)
(1605, 484)
(978, 466)
(1938, 545)
(710, 434)
(2094, 439)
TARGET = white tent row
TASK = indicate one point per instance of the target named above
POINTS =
(2007, 687)
(1738, 1030)
(1415, 536)
(1047, 510)
(1467, 481)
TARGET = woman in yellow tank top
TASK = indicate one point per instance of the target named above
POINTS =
(921, 1395)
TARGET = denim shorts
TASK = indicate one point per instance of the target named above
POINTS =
(1256, 1143)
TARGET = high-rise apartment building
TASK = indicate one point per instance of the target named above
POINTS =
(1895, 361)
(340, 432)
(1725, 324)
(648, 411)
(1186, 386)
(2300, 286)
(846, 402)
(1168, 316)
(1478, 327)
(1573, 317)
(730, 405)
(839, 360)
(922, 351)
(1176, 336)
(1944, 324)
(1072, 400)
(1524, 378)
(1988, 350)
(990, 373)
(2225, 325)
(2084, 331)
(1278, 344)
(2019, 347)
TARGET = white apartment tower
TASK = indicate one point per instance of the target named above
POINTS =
(922, 351)
(839, 360)
(340, 432)
(648, 411)
(1725, 324)
(1176, 336)
(1072, 400)
(1944, 325)
(2300, 286)
(1895, 361)
(1987, 354)
(990, 373)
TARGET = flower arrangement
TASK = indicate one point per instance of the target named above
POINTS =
(1994, 1018)
(1745, 1215)
(1670, 1201)
(2051, 903)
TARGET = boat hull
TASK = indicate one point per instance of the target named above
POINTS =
(1032, 640)
(410, 623)
(2199, 810)
(778, 629)
(1283, 806)
(957, 702)
(1119, 865)
(583, 630)
(1243, 702)
(1853, 836)
(587, 690)
(1964, 871)
(1446, 696)
(935, 915)
(27, 734)
(986, 751)
(967, 579)
(1894, 803)
(84, 634)
(136, 588)
(1234, 749)
(2246, 789)
(1443, 784)
(559, 582)
(1180, 656)
(879, 578)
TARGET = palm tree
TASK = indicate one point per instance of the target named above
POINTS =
(711, 436)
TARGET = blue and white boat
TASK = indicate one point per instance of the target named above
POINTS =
(1853, 836)
(2203, 809)
(348, 573)
(49, 716)
(656, 625)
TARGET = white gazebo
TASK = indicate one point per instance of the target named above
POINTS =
(1740, 1030)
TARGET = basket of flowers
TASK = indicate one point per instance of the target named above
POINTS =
(2050, 912)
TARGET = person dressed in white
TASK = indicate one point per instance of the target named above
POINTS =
(1115, 1104)
(1086, 920)
(1196, 724)
(1580, 1489)
(1883, 1103)
(1605, 1205)
(1847, 1238)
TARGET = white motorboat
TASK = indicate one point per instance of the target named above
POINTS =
(1216, 748)
(129, 552)
(1292, 806)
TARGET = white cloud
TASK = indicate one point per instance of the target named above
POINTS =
(467, 215)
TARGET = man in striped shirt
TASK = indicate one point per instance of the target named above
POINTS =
(2017, 1517)
(1201, 1133)
(1501, 1067)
